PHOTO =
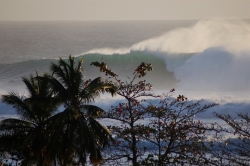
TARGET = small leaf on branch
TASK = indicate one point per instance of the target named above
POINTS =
(104, 68)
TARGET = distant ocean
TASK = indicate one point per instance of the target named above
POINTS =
(202, 59)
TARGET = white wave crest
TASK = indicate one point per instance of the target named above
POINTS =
(233, 35)
(109, 51)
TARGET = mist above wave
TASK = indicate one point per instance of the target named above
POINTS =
(233, 35)
(219, 59)
(215, 69)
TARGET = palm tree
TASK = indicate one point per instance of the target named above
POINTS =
(75, 132)
(25, 138)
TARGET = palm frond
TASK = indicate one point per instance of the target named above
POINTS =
(92, 111)
(60, 92)
(30, 85)
(23, 110)
(94, 88)
(66, 72)
(102, 134)
(15, 125)
(87, 140)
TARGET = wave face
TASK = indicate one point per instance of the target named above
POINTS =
(123, 65)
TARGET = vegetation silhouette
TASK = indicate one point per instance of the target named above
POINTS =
(58, 125)
(25, 139)
(70, 134)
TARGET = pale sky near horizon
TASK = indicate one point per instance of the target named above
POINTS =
(27, 10)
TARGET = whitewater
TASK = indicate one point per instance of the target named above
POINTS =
(205, 59)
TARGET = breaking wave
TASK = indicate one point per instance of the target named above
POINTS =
(210, 55)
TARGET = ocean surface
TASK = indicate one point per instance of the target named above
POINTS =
(201, 59)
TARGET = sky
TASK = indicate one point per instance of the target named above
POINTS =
(30, 10)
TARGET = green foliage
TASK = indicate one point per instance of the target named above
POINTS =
(104, 68)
